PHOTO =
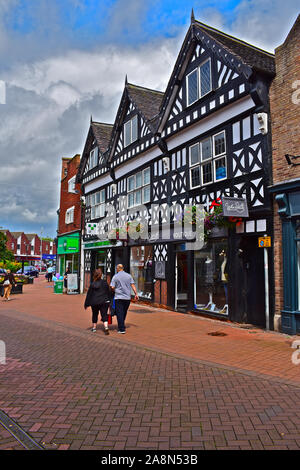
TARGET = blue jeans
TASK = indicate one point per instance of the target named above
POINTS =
(122, 306)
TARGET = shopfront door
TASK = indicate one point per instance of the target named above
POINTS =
(249, 288)
(181, 281)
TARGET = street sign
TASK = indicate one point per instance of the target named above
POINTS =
(264, 242)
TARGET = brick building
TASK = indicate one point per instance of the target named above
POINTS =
(69, 217)
(285, 118)
(11, 243)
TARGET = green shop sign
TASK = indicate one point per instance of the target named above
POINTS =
(68, 244)
(97, 244)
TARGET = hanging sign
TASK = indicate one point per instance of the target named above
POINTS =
(234, 207)
(92, 229)
(160, 270)
(264, 242)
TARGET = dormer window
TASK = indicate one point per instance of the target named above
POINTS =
(93, 158)
(131, 131)
(198, 82)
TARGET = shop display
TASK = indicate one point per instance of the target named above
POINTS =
(211, 278)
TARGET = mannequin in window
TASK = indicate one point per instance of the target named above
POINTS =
(209, 282)
(224, 279)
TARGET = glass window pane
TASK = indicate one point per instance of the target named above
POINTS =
(138, 197)
(147, 176)
(93, 199)
(130, 199)
(219, 142)
(127, 133)
(138, 180)
(102, 195)
(134, 135)
(97, 198)
(131, 183)
(195, 177)
(102, 210)
(207, 173)
(206, 149)
(146, 194)
(205, 78)
(93, 213)
(97, 211)
(195, 154)
(220, 166)
(192, 87)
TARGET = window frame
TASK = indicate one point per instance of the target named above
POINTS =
(140, 188)
(69, 215)
(212, 160)
(199, 95)
(132, 138)
(71, 181)
(97, 206)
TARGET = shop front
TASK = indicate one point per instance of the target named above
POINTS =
(141, 269)
(68, 247)
(287, 196)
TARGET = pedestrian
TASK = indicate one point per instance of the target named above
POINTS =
(8, 283)
(68, 271)
(98, 297)
(121, 284)
(49, 273)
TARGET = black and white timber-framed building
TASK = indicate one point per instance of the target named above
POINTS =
(204, 137)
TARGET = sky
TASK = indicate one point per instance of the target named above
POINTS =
(63, 61)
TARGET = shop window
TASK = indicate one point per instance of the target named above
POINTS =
(141, 259)
(208, 160)
(211, 277)
(138, 187)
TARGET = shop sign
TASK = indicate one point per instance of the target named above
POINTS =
(264, 242)
(234, 207)
(68, 244)
(160, 269)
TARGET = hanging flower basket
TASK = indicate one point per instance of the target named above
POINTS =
(114, 234)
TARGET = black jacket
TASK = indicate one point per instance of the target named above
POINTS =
(9, 277)
(98, 293)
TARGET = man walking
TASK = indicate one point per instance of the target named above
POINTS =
(121, 284)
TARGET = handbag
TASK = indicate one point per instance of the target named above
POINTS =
(112, 308)
(6, 283)
(109, 319)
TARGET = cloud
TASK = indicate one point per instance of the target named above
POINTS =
(47, 115)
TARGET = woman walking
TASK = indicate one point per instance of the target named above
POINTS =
(8, 283)
(98, 297)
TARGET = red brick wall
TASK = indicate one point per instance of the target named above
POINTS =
(67, 199)
(285, 117)
(11, 243)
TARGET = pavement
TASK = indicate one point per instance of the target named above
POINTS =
(173, 381)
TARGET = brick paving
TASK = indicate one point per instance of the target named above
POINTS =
(71, 389)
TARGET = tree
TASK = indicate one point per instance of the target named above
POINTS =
(5, 254)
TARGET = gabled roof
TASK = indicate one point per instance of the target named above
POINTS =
(17, 234)
(31, 236)
(237, 54)
(256, 58)
(102, 133)
(146, 101)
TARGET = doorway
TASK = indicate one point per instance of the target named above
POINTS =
(181, 281)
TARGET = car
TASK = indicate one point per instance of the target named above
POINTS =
(29, 271)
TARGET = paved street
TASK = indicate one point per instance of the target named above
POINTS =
(167, 384)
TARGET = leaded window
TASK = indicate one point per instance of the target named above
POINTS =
(138, 188)
(199, 82)
(208, 160)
